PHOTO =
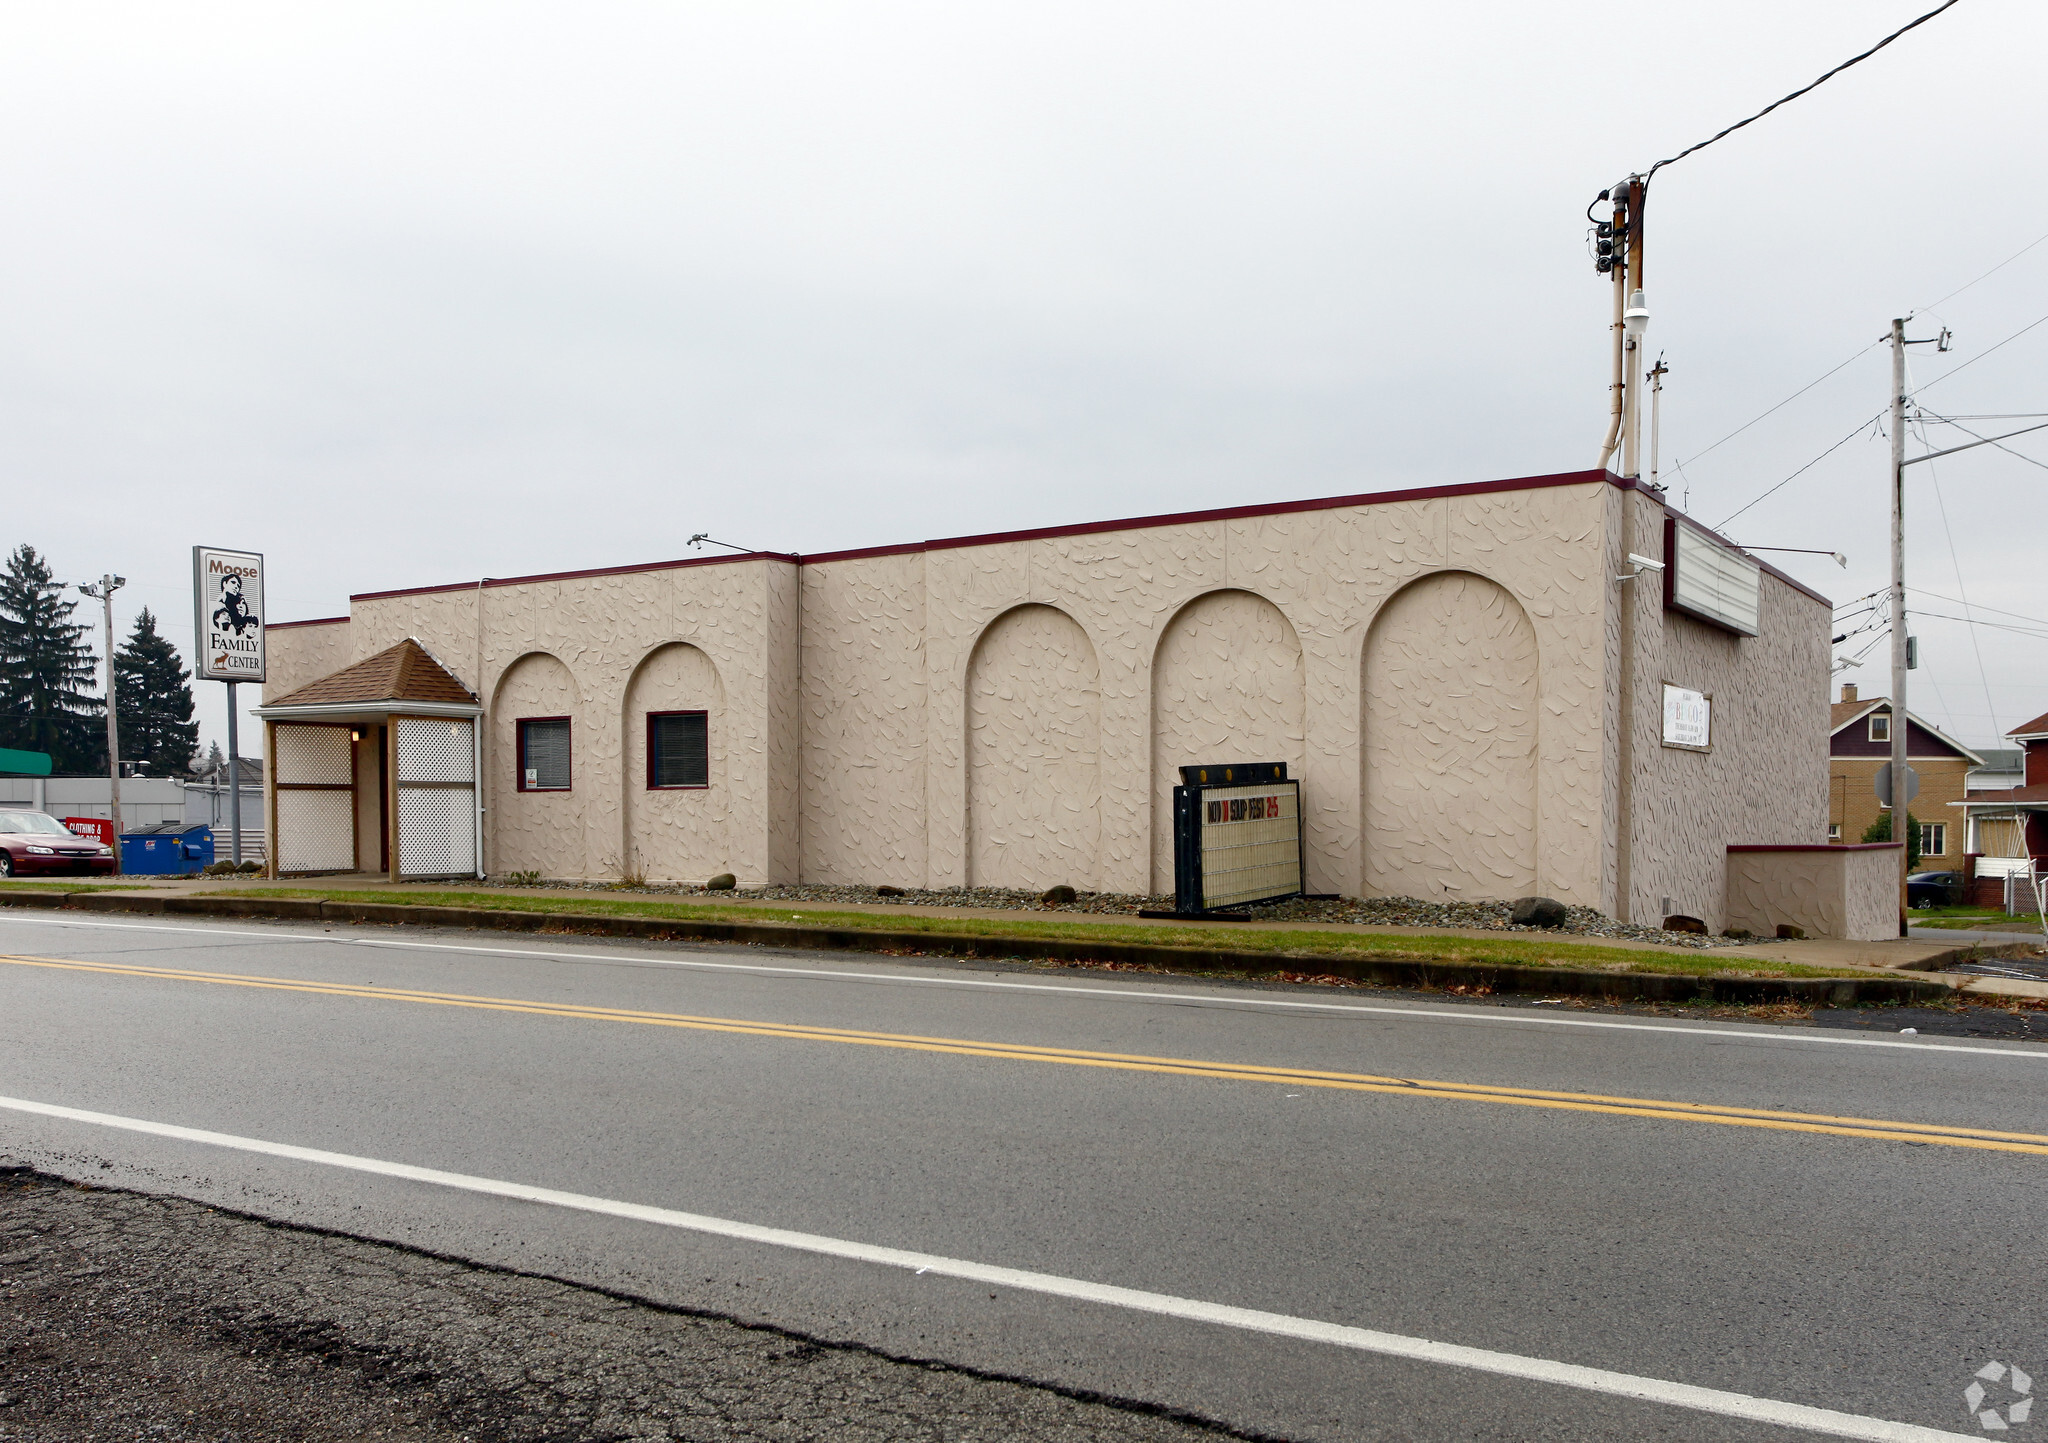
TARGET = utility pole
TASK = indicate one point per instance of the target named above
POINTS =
(104, 592)
(1900, 725)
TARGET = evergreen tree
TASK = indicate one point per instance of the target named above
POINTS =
(215, 767)
(1881, 831)
(46, 670)
(154, 697)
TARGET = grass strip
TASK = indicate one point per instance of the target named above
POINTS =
(1514, 952)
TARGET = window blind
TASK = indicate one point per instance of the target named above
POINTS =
(678, 749)
(544, 755)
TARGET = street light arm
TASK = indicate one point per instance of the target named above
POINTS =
(1970, 445)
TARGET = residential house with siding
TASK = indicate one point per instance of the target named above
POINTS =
(1860, 746)
(2011, 822)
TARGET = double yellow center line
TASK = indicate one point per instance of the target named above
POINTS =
(1778, 1121)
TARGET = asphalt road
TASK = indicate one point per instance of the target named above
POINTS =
(1304, 1215)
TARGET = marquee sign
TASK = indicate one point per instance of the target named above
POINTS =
(227, 614)
(1708, 579)
(1236, 836)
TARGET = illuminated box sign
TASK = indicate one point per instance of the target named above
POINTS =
(227, 614)
(1236, 836)
(1709, 580)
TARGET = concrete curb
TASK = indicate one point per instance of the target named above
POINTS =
(1485, 977)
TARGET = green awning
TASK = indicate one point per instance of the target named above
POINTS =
(24, 764)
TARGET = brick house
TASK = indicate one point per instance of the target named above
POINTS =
(2012, 823)
(1860, 746)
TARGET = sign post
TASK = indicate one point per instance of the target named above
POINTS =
(227, 625)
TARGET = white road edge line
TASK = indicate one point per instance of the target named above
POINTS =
(1731, 1032)
(1365, 1340)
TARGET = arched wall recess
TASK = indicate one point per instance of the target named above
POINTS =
(675, 833)
(1034, 753)
(1449, 745)
(537, 831)
(1228, 685)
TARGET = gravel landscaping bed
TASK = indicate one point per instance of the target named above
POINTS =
(128, 1317)
(1372, 911)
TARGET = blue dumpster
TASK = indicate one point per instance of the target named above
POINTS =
(168, 848)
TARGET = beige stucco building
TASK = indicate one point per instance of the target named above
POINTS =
(1471, 696)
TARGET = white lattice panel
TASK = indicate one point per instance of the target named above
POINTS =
(434, 749)
(318, 755)
(316, 831)
(436, 831)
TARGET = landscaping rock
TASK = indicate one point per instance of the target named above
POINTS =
(723, 882)
(1791, 933)
(1061, 893)
(1539, 912)
(888, 891)
(1678, 922)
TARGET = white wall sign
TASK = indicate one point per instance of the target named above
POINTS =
(1713, 582)
(227, 614)
(1688, 717)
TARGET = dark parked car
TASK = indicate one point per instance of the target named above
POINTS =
(36, 844)
(1934, 889)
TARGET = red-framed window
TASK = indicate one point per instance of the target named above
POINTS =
(678, 751)
(544, 754)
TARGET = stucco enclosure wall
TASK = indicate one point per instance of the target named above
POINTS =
(1850, 892)
(1441, 671)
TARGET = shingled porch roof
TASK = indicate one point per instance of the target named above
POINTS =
(401, 678)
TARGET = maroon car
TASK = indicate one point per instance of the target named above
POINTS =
(36, 844)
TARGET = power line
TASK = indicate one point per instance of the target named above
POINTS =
(1951, 421)
(1681, 465)
(1981, 355)
(1994, 625)
(1976, 648)
(1979, 606)
(1993, 271)
(1782, 100)
(1860, 427)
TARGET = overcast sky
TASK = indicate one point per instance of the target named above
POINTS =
(410, 294)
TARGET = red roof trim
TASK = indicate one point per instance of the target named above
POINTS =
(317, 621)
(492, 582)
(1237, 513)
(1178, 518)
(1815, 847)
(1086, 528)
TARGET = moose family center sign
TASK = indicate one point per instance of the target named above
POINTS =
(227, 614)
